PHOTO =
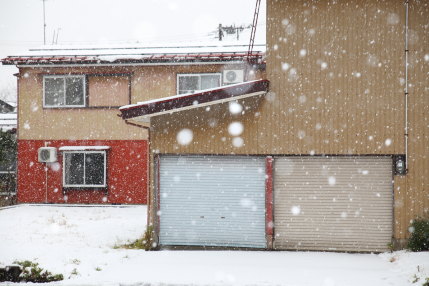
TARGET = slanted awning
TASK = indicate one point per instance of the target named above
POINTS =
(144, 110)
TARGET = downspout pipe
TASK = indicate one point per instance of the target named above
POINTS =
(406, 128)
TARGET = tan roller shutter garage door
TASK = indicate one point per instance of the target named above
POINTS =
(333, 203)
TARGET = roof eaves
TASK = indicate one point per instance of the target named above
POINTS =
(119, 59)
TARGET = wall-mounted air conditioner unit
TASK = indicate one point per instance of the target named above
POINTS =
(47, 154)
(233, 76)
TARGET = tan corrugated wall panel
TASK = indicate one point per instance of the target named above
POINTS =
(351, 107)
(335, 203)
(341, 97)
(335, 70)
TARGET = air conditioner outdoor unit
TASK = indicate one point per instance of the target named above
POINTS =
(233, 76)
(47, 154)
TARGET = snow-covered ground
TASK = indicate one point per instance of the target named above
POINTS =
(78, 242)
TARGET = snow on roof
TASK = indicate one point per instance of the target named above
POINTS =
(83, 148)
(8, 121)
(6, 116)
(135, 54)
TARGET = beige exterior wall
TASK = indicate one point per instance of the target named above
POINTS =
(109, 90)
(336, 71)
(147, 82)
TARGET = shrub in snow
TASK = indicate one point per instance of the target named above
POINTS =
(31, 272)
(419, 238)
(147, 242)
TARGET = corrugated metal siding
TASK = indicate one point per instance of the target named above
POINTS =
(344, 96)
(212, 201)
(351, 107)
(335, 203)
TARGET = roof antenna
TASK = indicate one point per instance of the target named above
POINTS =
(44, 24)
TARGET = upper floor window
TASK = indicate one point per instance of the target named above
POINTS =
(64, 91)
(189, 83)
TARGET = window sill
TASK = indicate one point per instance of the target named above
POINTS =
(67, 189)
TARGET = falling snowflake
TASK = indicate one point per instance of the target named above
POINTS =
(235, 107)
(238, 142)
(185, 136)
(244, 202)
(388, 142)
(285, 66)
(235, 128)
(332, 180)
(54, 166)
(295, 210)
(270, 96)
(176, 179)
(393, 19)
(212, 122)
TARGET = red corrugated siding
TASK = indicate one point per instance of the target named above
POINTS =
(126, 174)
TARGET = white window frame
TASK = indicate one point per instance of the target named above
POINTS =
(65, 88)
(84, 170)
(199, 78)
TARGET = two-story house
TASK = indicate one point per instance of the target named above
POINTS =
(72, 145)
(329, 152)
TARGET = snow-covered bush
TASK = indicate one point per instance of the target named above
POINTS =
(31, 272)
(419, 238)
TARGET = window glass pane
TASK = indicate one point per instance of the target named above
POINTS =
(94, 174)
(188, 84)
(73, 168)
(54, 91)
(210, 81)
(74, 91)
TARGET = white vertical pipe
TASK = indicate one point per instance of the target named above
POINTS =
(46, 177)
(406, 86)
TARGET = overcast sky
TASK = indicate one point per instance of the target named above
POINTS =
(82, 22)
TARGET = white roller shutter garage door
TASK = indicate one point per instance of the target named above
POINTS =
(333, 203)
(212, 201)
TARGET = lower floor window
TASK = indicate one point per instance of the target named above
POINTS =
(84, 169)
